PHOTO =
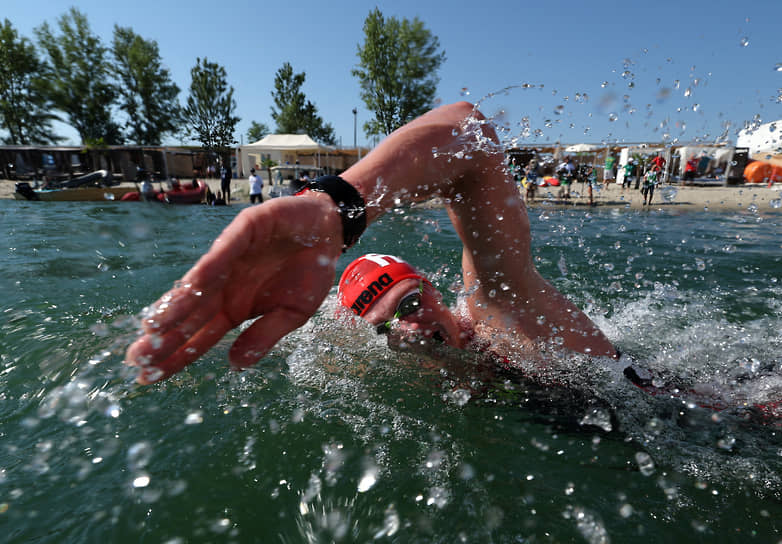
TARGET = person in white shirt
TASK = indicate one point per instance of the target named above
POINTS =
(256, 187)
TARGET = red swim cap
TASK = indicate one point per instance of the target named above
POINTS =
(367, 278)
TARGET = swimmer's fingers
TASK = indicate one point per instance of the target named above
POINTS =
(262, 335)
(196, 346)
(154, 347)
(186, 308)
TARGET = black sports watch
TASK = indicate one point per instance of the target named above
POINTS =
(351, 206)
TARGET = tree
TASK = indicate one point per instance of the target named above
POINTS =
(256, 132)
(397, 71)
(25, 112)
(210, 107)
(267, 164)
(147, 94)
(295, 114)
(78, 81)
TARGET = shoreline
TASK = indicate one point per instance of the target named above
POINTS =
(688, 197)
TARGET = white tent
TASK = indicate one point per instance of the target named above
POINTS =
(283, 149)
(582, 148)
(765, 139)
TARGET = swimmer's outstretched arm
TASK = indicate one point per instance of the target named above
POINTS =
(278, 260)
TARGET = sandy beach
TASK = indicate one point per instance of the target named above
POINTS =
(715, 198)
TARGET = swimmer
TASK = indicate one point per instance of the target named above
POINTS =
(271, 265)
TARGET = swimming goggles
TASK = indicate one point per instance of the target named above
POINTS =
(409, 305)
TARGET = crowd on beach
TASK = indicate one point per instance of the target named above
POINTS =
(531, 176)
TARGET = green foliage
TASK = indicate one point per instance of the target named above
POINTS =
(209, 113)
(25, 112)
(78, 78)
(147, 94)
(397, 71)
(256, 132)
(295, 114)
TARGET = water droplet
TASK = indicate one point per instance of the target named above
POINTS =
(139, 455)
(155, 340)
(776, 203)
(194, 418)
(726, 443)
(368, 479)
(460, 397)
(141, 481)
(744, 41)
(465, 91)
(438, 497)
(612, 117)
(669, 193)
(645, 463)
(687, 92)
(700, 264)
(599, 418)
(778, 67)
(604, 84)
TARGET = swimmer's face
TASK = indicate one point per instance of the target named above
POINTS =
(429, 321)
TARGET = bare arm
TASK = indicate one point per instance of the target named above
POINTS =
(269, 263)
(450, 151)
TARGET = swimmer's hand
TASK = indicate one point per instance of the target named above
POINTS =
(277, 260)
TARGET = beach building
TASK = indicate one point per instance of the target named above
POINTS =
(60, 163)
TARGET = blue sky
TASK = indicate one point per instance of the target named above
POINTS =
(595, 71)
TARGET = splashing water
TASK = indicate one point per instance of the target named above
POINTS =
(669, 193)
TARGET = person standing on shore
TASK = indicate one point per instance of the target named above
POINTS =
(567, 173)
(659, 163)
(225, 181)
(256, 187)
(531, 174)
(650, 181)
(628, 177)
(608, 172)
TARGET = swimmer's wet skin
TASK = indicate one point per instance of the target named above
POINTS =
(271, 265)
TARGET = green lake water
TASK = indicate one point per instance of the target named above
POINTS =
(335, 438)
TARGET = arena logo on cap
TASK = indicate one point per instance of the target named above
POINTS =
(366, 296)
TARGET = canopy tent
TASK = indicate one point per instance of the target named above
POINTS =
(583, 148)
(283, 149)
(763, 140)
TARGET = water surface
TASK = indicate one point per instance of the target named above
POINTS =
(333, 437)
